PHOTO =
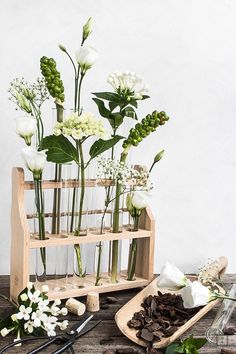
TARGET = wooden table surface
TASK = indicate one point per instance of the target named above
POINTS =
(107, 329)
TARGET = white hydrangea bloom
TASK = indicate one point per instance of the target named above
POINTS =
(81, 126)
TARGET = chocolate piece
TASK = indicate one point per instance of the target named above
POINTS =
(229, 331)
(111, 299)
(104, 307)
(146, 335)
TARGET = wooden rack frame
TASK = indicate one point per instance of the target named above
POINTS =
(22, 242)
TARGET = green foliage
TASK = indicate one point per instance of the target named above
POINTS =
(52, 76)
(189, 345)
(59, 149)
(101, 146)
(124, 104)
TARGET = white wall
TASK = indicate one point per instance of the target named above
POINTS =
(186, 51)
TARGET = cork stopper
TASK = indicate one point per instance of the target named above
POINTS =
(76, 307)
(92, 304)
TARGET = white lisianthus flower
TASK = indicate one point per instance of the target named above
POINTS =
(5, 331)
(140, 199)
(24, 313)
(195, 294)
(86, 57)
(171, 278)
(34, 160)
(26, 127)
(128, 84)
(24, 297)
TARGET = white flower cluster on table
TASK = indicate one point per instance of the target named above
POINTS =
(35, 314)
(194, 293)
(81, 126)
(128, 84)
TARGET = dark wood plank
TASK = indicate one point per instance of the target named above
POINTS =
(107, 329)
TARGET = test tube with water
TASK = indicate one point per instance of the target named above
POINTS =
(222, 317)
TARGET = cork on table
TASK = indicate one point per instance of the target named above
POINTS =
(107, 335)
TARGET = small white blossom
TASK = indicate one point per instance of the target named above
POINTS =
(57, 302)
(5, 331)
(63, 325)
(37, 317)
(63, 311)
(14, 317)
(30, 285)
(29, 326)
(24, 313)
(34, 297)
(24, 297)
(45, 289)
(43, 306)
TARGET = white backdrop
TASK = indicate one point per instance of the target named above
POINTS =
(186, 51)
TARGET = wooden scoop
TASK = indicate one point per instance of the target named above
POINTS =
(134, 305)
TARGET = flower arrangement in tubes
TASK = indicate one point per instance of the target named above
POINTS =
(82, 137)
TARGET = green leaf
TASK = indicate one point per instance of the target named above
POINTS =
(101, 146)
(144, 97)
(159, 156)
(109, 96)
(113, 105)
(130, 112)
(196, 342)
(101, 107)
(171, 349)
(59, 149)
(116, 120)
(134, 103)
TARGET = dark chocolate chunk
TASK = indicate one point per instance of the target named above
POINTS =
(111, 299)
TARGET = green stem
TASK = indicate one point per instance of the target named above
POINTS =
(82, 189)
(132, 260)
(79, 93)
(81, 274)
(98, 273)
(40, 213)
(115, 226)
(56, 211)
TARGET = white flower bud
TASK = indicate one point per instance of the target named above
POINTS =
(24, 297)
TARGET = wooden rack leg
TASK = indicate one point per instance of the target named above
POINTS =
(20, 236)
(145, 247)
